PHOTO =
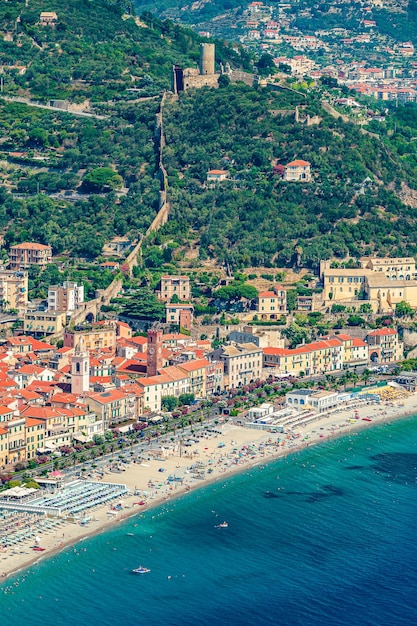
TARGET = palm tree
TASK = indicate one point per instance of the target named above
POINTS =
(366, 374)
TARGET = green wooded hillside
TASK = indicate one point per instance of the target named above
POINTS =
(350, 208)
(59, 172)
(46, 154)
(97, 49)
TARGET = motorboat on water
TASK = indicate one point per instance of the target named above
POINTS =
(223, 525)
(141, 570)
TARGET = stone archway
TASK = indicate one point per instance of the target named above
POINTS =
(374, 358)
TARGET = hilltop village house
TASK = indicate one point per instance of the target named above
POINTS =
(216, 176)
(23, 255)
(272, 304)
(171, 286)
(48, 18)
(298, 171)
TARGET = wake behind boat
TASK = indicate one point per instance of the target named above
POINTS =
(140, 570)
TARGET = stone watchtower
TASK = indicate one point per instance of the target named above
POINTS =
(207, 54)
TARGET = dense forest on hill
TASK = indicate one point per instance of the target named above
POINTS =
(255, 218)
(44, 152)
(97, 49)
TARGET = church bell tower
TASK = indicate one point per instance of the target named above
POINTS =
(80, 370)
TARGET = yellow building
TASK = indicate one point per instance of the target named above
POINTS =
(384, 346)
(13, 290)
(403, 268)
(94, 338)
(56, 432)
(355, 350)
(17, 440)
(272, 304)
(343, 284)
(35, 436)
(383, 282)
(174, 286)
(383, 293)
(197, 376)
(4, 446)
(39, 323)
(310, 359)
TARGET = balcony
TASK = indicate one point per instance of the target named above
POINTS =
(17, 445)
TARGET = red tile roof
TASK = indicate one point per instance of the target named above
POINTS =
(65, 398)
(32, 421)
(298, 163)
(380, 332)
(29, 245)
(358, 342)
(40, 412)
(107, 397)
(26, 394)
(191, 366)
(267, 294)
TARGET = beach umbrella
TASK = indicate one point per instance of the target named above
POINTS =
(37, 539)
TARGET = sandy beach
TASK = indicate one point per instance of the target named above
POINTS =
(215, 456)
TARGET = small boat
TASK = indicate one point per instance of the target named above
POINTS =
(141, 570)
(223, 525)
(38, 549)
(366, 419)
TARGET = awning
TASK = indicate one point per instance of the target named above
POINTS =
(18, 492)
(80, 438)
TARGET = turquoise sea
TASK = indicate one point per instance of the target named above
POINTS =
(325, 536)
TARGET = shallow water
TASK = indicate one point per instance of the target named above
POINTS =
(324, 536)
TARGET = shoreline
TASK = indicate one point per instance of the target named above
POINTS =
(236, 455)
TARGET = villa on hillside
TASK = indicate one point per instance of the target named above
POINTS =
(48, 18)
(298, 170)
(272, 304)
(217, 176)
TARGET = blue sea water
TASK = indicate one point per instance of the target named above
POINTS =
(324, 536)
